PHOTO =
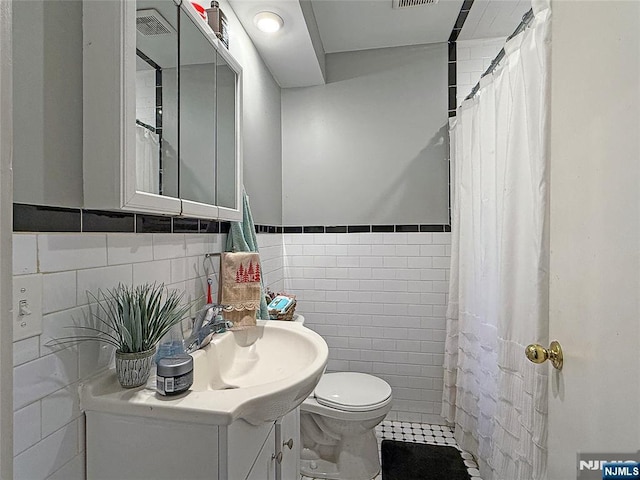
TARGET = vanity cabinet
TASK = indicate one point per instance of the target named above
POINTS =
(161, 112)
(263, 467)
(279, 457)
(287, 440)
(126, 446)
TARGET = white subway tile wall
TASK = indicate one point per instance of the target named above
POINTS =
(272, 260)
(379, 301)
(48, 424)
(473, 57)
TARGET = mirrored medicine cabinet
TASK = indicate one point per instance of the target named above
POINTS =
(162, 103)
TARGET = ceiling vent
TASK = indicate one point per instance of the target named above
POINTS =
(149, 22)
(411, 3)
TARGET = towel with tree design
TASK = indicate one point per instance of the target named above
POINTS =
(240, 287)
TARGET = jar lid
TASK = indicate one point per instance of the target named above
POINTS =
(175, 366)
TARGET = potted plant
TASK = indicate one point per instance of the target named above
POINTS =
(133, 320)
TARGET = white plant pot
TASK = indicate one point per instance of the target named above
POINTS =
(133, 369)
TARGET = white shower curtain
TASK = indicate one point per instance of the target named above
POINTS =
(498, 300)
(147, 160)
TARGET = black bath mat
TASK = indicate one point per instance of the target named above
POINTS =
(419, 461)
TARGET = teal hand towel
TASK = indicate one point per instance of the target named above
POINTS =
(242, 238)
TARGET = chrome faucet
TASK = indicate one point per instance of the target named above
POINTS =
(204, 326)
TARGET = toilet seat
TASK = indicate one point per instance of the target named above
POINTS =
(352, 392)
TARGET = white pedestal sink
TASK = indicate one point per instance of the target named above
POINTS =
(257, 375)
(239, 421)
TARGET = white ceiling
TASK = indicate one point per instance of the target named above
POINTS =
(493, 18)
(363, 24)
(347, 25)
(288, 53)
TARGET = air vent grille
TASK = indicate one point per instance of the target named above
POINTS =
(150, 23)
(412, 3)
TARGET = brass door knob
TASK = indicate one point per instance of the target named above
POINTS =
(538, 354)
(288, 444)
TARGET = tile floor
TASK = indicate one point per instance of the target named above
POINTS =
(421, 433)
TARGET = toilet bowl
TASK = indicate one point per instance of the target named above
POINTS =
(337, 423)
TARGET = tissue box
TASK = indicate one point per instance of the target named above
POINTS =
(282, 307)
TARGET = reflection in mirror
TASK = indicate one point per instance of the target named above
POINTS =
(156, 97)
(197, 113)
(226, 129)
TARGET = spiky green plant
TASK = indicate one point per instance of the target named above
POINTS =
(134, 319)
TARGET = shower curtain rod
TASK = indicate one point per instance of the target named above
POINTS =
(526, 20)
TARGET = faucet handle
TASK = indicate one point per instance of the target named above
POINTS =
(228, 324)
(221, 308)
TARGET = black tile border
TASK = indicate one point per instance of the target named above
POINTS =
(43, 218)
(407, 228)
(102, 221)
(209, 226)
(459, 23)
(432, 228)
(186, 225)
(153, 224)
(452, 65)
(452, 78)
(404, 228)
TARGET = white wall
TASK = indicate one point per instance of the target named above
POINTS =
(49, 426)
(272, 261)
(379, 301)
(370, 146)
(473, 57)
(262, 145)
(47, 72)
(6, 284)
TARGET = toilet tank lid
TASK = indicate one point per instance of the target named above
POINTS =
(351, 389)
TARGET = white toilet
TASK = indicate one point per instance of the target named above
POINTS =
(337, 425)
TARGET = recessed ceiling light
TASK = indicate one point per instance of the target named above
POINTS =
(268, 22)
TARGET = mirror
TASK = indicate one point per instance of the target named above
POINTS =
(197, 114)
(226, 130)
(156, 97)
(151, 123)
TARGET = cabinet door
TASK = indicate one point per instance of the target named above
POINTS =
(228, 147)
(150, 119)
(113, 178)
(242, 444)
(210, 164)
(156, 94)
(264, 466)
(127, 447)
(288, 442)
(197, 112)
